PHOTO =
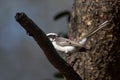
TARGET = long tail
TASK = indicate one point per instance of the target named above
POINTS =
(104, 24)
(84, 39)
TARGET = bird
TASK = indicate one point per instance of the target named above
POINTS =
(65, 45)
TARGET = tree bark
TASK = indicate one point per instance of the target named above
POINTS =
(102, 61)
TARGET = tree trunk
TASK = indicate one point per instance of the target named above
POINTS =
(102, 60)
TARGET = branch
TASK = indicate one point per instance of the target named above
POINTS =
(40, 37)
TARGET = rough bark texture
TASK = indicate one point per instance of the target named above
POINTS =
(102, 61)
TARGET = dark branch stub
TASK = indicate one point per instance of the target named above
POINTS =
(40, 37)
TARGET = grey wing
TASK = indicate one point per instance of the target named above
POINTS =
(66, 42)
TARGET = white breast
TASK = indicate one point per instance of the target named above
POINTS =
(65, 49)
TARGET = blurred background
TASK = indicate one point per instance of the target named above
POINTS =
(20, 56)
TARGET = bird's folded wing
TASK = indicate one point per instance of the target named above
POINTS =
(66, 42)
